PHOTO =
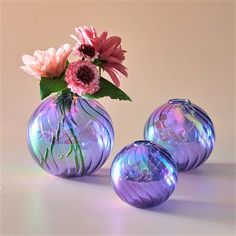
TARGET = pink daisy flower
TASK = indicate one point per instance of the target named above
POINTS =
(50, 63)
(82, 77)
(111, 53)
(108, 50)
(84, 46)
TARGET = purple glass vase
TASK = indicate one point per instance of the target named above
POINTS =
(70, 136)
(184, 129)
(143, 174)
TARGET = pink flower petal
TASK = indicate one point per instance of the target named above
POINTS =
(103, 36)
(76, 83)
(27, 59)
(114, 76)
(119, 53)
(113, 40)
(74, 37)
(119, 67)
(49, 63)
(107, 52)
(113, 59)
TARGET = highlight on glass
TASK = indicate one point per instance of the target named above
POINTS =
(184, 129)
(143, 174)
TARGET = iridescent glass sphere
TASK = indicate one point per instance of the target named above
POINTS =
(185, 130)
(143, 174)
(70, 136)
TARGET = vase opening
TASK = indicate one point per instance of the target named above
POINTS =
(179, 100)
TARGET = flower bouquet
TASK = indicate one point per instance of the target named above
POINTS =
(70, 133)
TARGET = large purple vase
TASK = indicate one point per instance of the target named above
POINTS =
(143, 174)
(70, 136)
(184, 129)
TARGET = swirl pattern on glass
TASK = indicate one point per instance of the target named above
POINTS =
(185, 130)
(72, 142)
(143, 174)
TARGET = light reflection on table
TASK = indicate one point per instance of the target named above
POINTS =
(37, 203)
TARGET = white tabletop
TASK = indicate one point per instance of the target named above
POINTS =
(36, 203)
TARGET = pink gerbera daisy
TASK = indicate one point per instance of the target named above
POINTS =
(82, 77)
(84, 38)
(108, 50)
(112, 55)
(50, 63)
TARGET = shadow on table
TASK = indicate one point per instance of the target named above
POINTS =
(197, 195)
(219, 170)
(100, 177)
(204, 211)
(206, 194)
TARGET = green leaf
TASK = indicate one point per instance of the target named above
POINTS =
(108, 89)
(51, 85)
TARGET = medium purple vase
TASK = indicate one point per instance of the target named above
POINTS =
(70, 136)
(143, 174)
(185, 130)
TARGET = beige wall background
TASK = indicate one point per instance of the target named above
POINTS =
(175, 49)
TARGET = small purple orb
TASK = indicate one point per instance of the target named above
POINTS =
(185, 130)
(143, 174)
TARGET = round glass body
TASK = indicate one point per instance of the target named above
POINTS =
(184, 129)
(70, 138)
(143, 174)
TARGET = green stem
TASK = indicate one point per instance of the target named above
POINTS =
(64, 106)
(51, 150)
(100, 71)
(69, 151)
(58, 131)
(52, 144)
(46, 155)
(80, 151)
(76, 156)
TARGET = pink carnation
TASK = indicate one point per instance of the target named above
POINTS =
(50, 63)
(109, 51)
(82, 77)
